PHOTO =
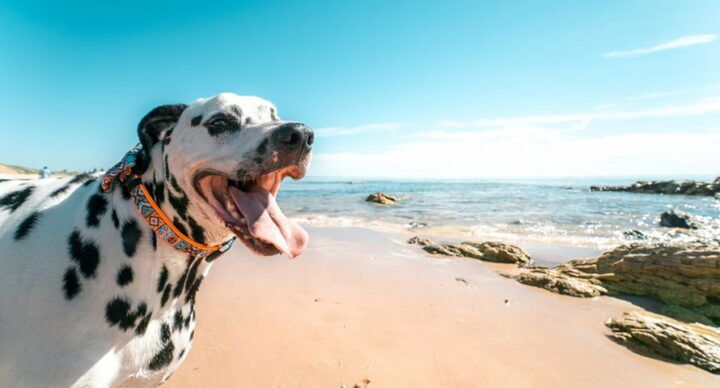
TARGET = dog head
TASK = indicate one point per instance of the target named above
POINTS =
(221, 161)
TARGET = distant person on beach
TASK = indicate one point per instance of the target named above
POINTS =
(44, 173)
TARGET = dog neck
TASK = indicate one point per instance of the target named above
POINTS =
(179, 203)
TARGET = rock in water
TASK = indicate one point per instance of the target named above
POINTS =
(666, 187)
(382, 198)
(634, 234)
(656, 335)
(492, 251)
(672, 219)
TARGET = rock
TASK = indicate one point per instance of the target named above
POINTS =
(500, 252)
(666, 187)
(685, 275)
(496, 252)
(556, 281)
(419, 241)
(634, 234)
(672, 219)
(659, 336)
(417, 224)
(382, 198)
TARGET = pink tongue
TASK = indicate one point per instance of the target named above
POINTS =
(267, 222)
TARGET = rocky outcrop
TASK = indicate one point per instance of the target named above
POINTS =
(382, 198)
(673, 219)
(565, 279)
(496, 252)
(660, 336)
(667, 187)
(685, 276)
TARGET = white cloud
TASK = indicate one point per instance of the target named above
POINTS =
(346, 131)
(540, 146)
(685, 41)
(528, 153)
(580, 120)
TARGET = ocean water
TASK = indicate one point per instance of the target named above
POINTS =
(559, 211)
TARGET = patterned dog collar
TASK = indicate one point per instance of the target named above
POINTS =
(121, 173)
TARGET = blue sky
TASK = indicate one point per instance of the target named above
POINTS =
(445, 89)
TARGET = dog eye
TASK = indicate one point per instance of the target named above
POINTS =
(218, 122)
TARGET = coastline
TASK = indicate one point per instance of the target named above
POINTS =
(361, 304)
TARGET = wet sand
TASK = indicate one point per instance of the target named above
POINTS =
(363, 306)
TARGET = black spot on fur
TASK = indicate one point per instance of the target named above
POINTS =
(167, 168)
(192, 334)
(125, 192)
(192, 291)
(196, 120)
(153, 239)
(163, 357)
(125, 276)
(60, 191)
(192, 272)
(180, 204)
(114, 218)
(180, 284)
(143, 324)
(182, 353)
(187, 321)
(80, 178)
(15, 199)
(26, 226)
(71, 283)
(197, 232)
(178, 224)
(165, 295)
(86, 254)
(119, 312)
(96, 207)
(165, 332)
(175, 185)
(177, 320)
(162, 280)
(130, 237)
(167, 138)
(159, 193)
(262, 148)
(236, 109)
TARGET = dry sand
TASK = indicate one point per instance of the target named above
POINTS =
(362, 306)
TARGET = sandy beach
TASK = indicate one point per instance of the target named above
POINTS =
(363, 308)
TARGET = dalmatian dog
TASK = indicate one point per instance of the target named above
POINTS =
(90, 296)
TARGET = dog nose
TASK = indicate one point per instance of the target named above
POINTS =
(293, 136)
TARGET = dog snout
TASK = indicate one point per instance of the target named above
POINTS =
(293, 137)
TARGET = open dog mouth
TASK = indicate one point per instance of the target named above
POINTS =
(248, 208)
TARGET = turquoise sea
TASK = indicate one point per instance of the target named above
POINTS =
(558, 211)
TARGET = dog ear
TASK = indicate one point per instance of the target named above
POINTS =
(151, 127)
